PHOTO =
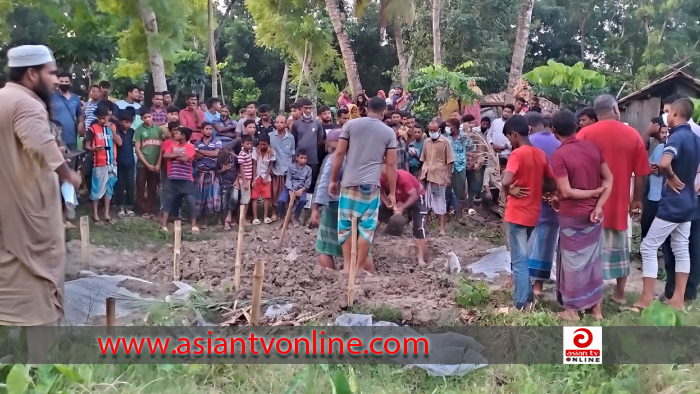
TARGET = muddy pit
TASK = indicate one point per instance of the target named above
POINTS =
(424, 295)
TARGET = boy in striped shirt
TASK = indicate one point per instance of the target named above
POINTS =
(245, 170)
(179, 156)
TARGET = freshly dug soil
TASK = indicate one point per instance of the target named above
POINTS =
(423, 294)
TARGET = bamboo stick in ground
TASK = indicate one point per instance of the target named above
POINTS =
(111, 313)
(287, 217)
(353, 262)
(241, 223)
(176, 250)
(85, 241)
(258, 274)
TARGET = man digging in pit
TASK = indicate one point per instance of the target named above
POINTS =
(365, 142)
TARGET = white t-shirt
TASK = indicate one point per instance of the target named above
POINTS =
(495, 136)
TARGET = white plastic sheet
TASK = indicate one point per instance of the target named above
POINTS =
(439, 343)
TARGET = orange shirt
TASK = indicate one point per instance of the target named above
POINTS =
(624, 151)
(530, 168)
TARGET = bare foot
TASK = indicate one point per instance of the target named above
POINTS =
(570, 315)
(619, 296)
(442, 233)
(537, 288)
(422, 263)
(676, 304)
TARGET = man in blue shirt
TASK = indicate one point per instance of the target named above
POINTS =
(68, 110)
(656, 179)
(677, 207)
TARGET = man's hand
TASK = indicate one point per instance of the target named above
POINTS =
(333, 189)
(448, 180)
(157, 167)
(599, 191)
(246, 185)
(226, 167)
(315, 218)
(264, 182)
(392, 200)
(635, 208)
(655, 169)
(518, 192)
(150, 167)
(75, 180)
(597, 215)
(488, 194)
(298, 193)
(675, 184)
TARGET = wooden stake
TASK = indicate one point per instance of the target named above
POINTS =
(111, 313)
(353, 263)
(258, 274)
(85, 241)
(286, 219)
(176, 250)
(239, 246)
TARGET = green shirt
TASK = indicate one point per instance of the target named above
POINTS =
(151, 139)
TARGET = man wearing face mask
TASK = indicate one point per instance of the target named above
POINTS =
(309, 135)
(68, 110)
(32, 238)
(436, 174)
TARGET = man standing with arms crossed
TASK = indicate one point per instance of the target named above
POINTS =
(366, 142)
(32, 249)
(624, 151)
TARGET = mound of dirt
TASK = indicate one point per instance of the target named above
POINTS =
(422, 294)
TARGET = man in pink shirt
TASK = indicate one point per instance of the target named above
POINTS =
(192, 118)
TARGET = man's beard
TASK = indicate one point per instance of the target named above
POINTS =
(44, 94)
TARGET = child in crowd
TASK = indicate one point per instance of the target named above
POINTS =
(401, 146)
(173, 116)
(227, 168)
(245, 170)
(436, 173)
(126, 167)
(263, 159)
(249, 128)
(527, 177)
(415, 149)
(179, 156)
(298, 182)
(101, 141)
(148, 139)
(207, 196)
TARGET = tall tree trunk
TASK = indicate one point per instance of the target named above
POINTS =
(212, 51)
(522, 35)
(345, 48)
(156, 59)
(283, 88)
(437, 51)
(403, 66)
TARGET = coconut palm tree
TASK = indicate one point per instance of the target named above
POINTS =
(522, 35)
(437, 51)
(212, 50)
(345, 48)
(397, 13)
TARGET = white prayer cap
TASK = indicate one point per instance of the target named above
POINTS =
(29, 55)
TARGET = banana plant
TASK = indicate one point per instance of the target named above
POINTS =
(568, 86)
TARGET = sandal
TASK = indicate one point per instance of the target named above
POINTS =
(164, 230)
(204, 227)
(97, 222)
(110, 221)
(122, 214)
(130, 213)
(256, 221)
(227, 226)
(268, 220)
(195, 230)
(145, 216)
(633, 308)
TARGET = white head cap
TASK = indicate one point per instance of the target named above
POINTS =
(29, 55)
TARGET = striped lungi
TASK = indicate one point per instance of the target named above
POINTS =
(616, 254)
(327, 237)
(579, 263)
(361, 202)
(207, 195)
(540, 250)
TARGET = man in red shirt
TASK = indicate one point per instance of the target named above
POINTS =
(624, 151)
(192, 118)
(410, 196)
(527, 177)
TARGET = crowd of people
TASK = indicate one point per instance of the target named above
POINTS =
(567, 178)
